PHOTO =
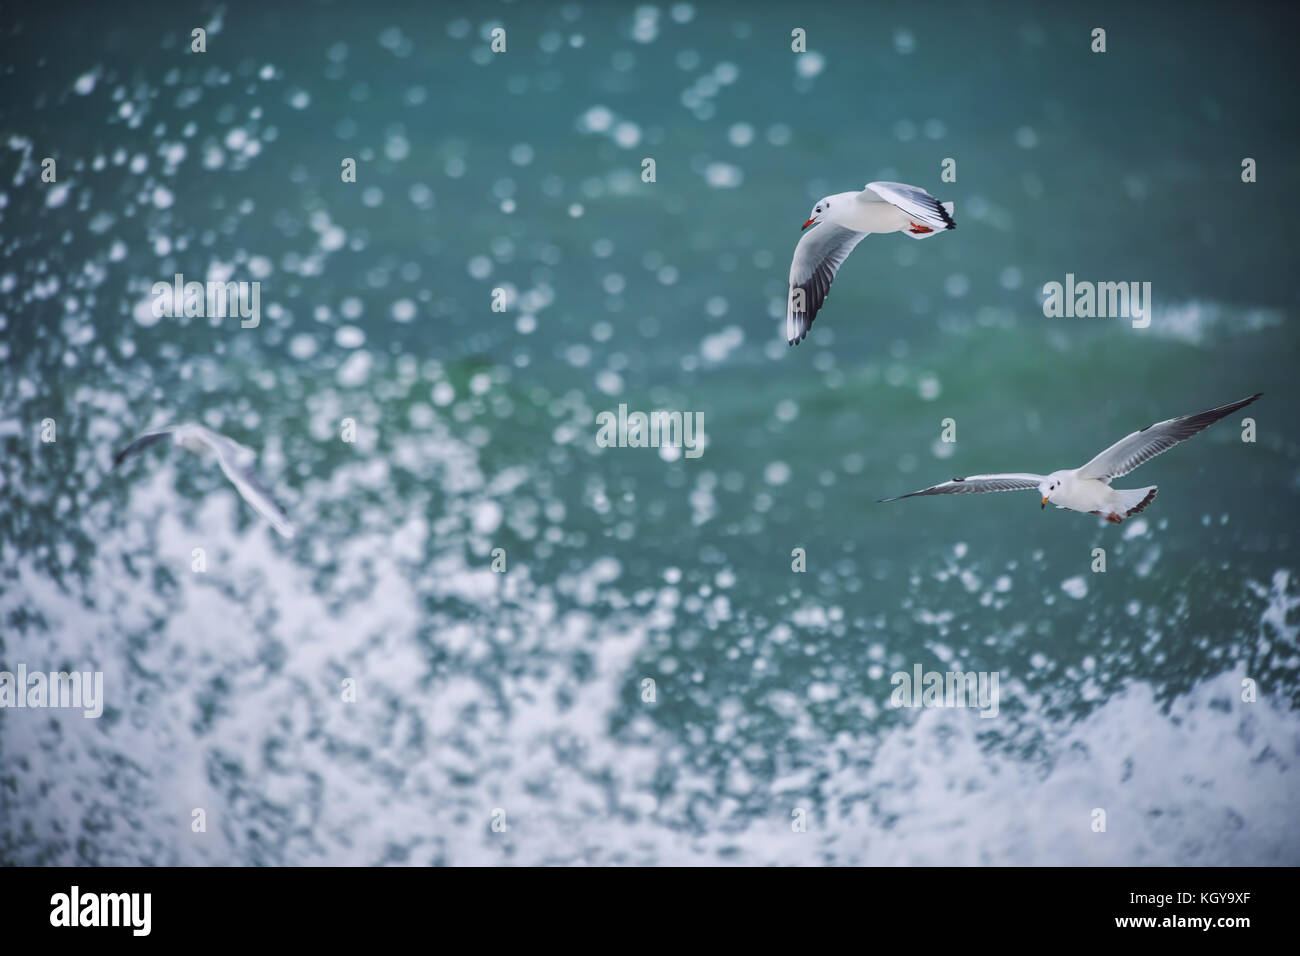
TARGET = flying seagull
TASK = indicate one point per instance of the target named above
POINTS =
(235, 460)
(1088, 488)
(845, 219)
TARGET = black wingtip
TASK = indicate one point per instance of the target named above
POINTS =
(946, 216)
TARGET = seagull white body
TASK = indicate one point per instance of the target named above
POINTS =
(1087, 488)
(1074, 492)
(236, 462)
(842, 221)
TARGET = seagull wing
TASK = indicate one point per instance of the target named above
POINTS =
(817, 258)
(916, 202)
(979, 485)
(237, 463)
(1127, 453)
(143, 441)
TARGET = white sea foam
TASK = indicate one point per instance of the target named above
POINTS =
(234, 706)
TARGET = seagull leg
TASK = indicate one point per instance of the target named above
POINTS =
(918, 230)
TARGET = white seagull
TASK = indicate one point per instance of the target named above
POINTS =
(235, 460)
(1088, 488)
(845, 219)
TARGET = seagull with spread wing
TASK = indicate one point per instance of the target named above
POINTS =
(1088, 489)
(235, 460)
(843, 220)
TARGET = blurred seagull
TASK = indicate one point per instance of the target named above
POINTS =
(235, 460)
(846, 219)
(1088, 488)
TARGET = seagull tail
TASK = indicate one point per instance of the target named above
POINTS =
(925, 232)
(1131, 502)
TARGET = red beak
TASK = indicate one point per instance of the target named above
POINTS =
(807, 224)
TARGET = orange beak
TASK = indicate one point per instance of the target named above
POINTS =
(1044, 505)
(807, 224)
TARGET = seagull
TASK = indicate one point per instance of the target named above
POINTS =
(845, 220)
(235, 460)
(1087, 489)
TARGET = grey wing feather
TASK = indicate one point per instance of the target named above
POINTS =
(225, 448)
(236, 463)
(1141, 446)
(979, 485)
(817, 258)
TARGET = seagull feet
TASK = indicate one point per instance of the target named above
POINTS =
(918, 230)
(1113, 518)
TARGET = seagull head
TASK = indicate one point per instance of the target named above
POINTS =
(818, 211)
(1050, 486)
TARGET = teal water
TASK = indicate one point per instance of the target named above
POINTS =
(479, 692)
